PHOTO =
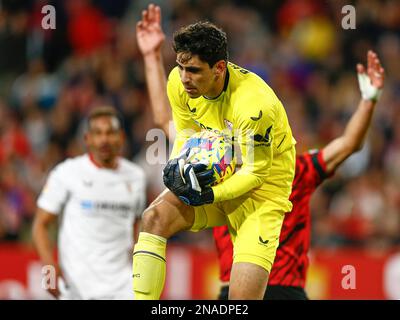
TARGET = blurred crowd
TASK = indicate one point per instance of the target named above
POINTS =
(50, 79)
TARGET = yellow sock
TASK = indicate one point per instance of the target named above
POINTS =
(149, 266)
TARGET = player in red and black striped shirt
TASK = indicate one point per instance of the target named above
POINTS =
(289, 270)
(288, 274)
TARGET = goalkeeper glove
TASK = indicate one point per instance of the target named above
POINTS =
(189, 182)
(193, 194)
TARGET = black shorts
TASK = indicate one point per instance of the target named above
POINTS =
(223, 293)
(273, 293)
(285, 293)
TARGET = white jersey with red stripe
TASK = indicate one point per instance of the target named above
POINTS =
(97, 208)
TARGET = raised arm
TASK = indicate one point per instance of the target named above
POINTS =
(150, 38)
(371, 81)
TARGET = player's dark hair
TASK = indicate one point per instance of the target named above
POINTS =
(104, 111)
(203, 39)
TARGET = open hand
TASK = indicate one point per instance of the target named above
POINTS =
(371, 79)
(149, 34)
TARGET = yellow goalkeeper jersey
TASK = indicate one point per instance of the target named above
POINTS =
(249, 109)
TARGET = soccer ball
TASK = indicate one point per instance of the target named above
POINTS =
(214, 150)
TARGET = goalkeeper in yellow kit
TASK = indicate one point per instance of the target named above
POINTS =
(206, 92)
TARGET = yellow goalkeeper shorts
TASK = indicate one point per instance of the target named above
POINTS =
(255, 218)
(254, 227)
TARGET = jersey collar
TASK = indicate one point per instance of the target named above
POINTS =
(225, 86)
(98, 165)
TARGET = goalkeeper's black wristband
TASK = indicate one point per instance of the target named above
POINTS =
(195, 198)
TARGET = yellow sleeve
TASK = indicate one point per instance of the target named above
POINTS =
(184, 125)
(255, 142)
